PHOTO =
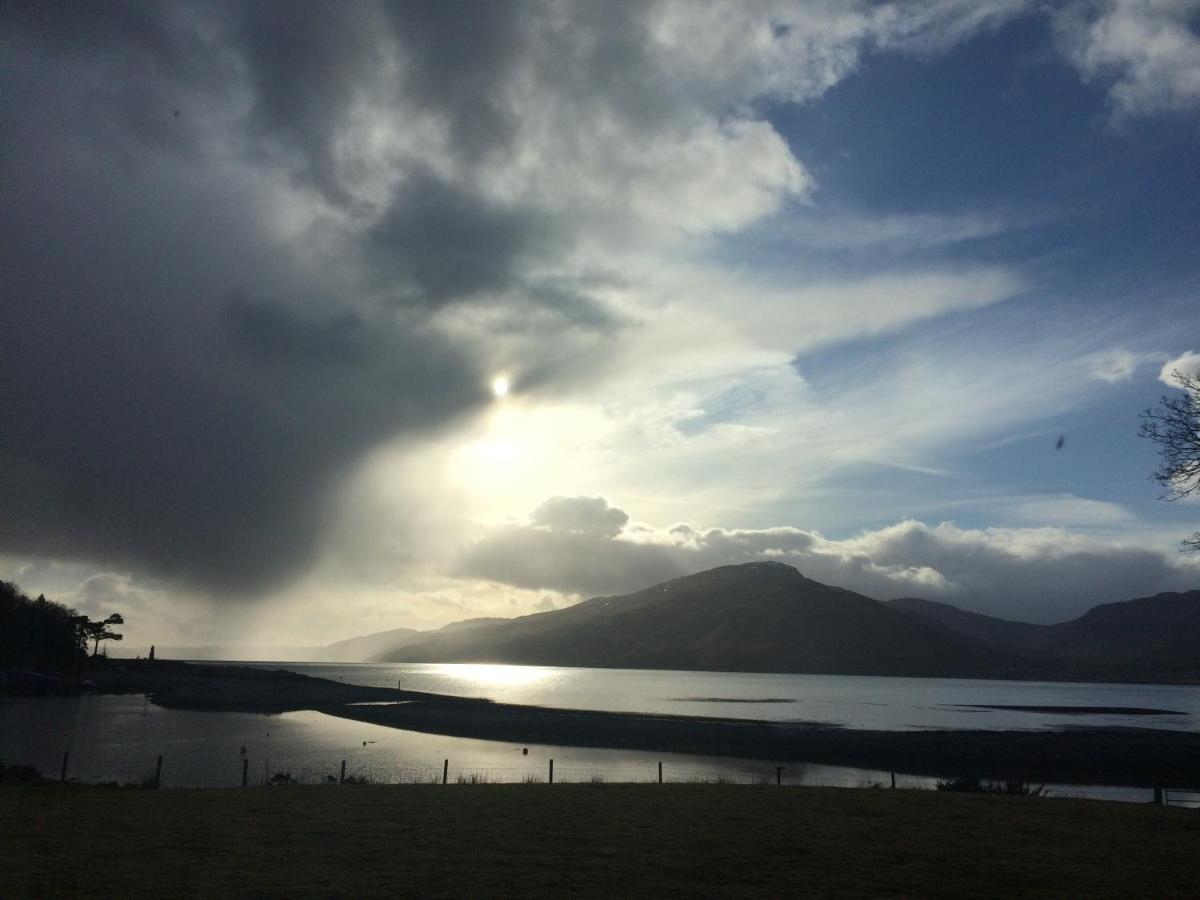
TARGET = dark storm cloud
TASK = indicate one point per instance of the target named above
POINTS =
(217, 291)
(271, 334)
(180, 388)
(447, 244)
(308, 61)
(458, 57)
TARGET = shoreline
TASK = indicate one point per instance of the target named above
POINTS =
(1127, 757)
(1103, 676)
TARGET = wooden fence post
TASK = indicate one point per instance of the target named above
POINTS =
(245, 770)
(660, 771)
(893, 781)
(342, 777)
(158, 773)
(63, 774)
(779, 774)
(445, 771)
(552, 771)
(1158, 791)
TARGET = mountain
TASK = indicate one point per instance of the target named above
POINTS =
(368, 645)
(989, 629)
(1157, 635)
(470, 623)
(1148, 638)
(380, 643)
(756, 617)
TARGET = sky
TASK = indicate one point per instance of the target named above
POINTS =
(322, 319)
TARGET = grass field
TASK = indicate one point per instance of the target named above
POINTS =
(585, 840)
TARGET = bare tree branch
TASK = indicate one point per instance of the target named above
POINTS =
(1175, 426)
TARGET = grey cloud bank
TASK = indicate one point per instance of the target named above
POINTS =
(186, 379)
(1041, 575)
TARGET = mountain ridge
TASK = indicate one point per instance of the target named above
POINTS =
(754, 617)
(768, 617)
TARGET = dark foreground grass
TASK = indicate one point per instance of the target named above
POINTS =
(584, 840)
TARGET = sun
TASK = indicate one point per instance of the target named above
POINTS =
(500, 385)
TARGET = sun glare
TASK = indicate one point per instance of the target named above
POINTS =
(485, 675)
(500, 385)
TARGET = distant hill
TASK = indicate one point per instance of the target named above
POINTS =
(469, 623)
(756, 617)
(767, 617)
(369, 645)
(1152, 636)
(1148, 638)
(989, 629)
(380, 643)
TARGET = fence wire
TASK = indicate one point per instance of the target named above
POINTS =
(190, 772)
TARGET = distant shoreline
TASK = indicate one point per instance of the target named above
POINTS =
(1100, 677)
(1133, 757)
(1077, 710)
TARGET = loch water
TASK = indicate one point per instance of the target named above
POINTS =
(851, 701)
(119, 738)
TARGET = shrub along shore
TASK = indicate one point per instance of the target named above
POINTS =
(1138, 757)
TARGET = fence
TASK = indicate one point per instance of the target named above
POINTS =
(244, 771)
(1169, 796)
(190, 772)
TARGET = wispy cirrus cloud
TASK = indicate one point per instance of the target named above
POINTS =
(1113, 365)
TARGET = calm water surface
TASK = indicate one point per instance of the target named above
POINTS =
(118, 738)
(890, 704)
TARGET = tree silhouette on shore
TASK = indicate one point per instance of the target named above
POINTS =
(101, 630)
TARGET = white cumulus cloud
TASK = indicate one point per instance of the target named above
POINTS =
(1147, 51)
(1186, 364)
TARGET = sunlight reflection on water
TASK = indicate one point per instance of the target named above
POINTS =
(852, 701)
(487, 676)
